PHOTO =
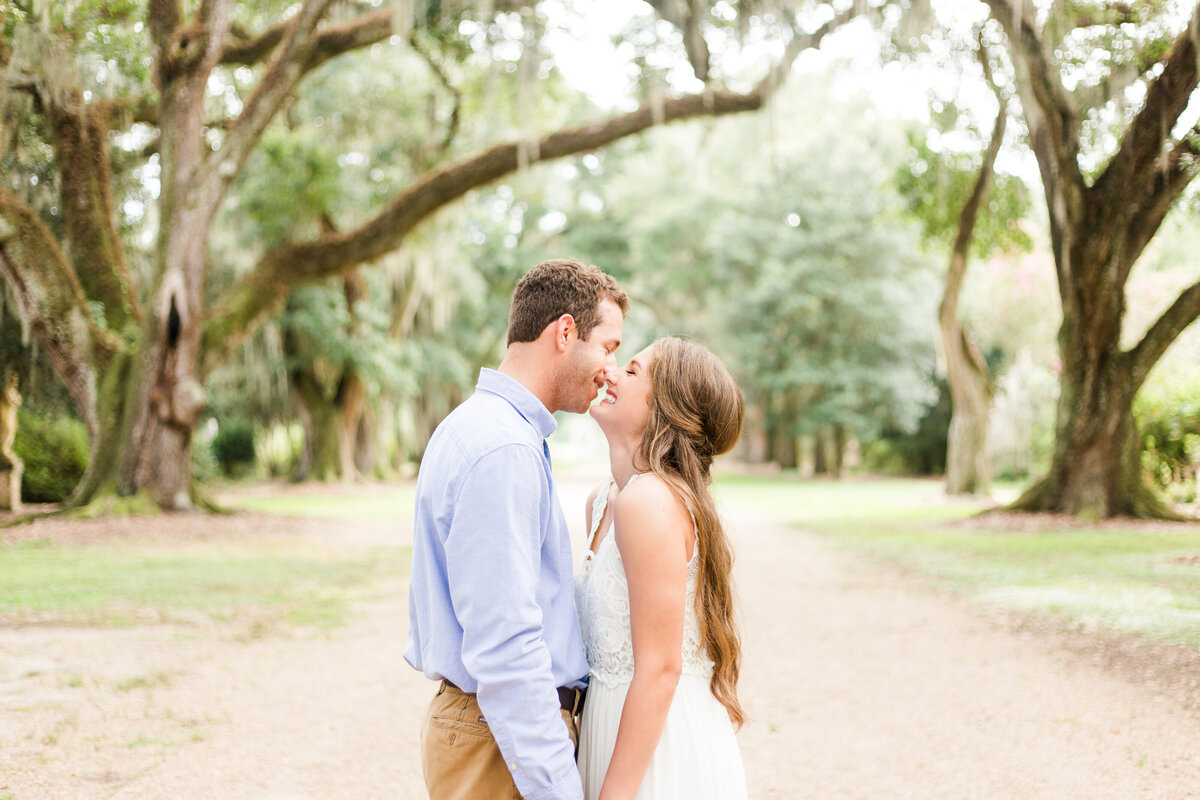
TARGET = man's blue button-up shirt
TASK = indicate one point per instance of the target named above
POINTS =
(491, 600)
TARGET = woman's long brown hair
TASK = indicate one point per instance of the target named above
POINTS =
(696, 411)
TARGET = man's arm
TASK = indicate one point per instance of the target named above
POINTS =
(493, 560)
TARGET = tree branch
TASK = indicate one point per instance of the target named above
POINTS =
(1133, 168)
(119, 114)
(163, 17)
(948, 311)
(1079, 16)
(291, 60)
(51, 303)
(330, 41)
(262, 292)
(685, 16)
(1053, 126)
(1089, 96)
(1182, 313)
(243, 49)
(1178, 169)
(800, 42)
(444, 80)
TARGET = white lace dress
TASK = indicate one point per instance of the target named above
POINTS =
(697, 757)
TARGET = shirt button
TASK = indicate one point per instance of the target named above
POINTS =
(512, 765)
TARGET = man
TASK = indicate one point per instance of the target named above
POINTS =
(491, 602)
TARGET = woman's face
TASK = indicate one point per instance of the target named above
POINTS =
(625, 409)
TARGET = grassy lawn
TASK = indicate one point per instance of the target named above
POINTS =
(239, 579)
(396, 503)
(1135, 579)
(118, 584)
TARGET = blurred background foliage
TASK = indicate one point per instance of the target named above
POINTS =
(805, 244)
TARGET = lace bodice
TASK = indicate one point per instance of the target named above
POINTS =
(602, 601)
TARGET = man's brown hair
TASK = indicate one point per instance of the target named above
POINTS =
(561, 286)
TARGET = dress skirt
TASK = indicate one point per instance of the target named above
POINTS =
(697, 757)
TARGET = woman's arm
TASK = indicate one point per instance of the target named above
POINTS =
(653, 531)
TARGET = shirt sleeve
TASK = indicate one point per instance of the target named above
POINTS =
(493, 563)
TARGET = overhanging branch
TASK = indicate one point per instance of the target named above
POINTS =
(1182, 313)
(261, 293)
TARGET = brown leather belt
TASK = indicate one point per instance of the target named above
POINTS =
(568, 699)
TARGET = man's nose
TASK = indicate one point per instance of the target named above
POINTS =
(611, 373)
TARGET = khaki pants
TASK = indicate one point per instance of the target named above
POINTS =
(459, 757)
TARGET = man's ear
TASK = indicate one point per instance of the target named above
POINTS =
(564, 326)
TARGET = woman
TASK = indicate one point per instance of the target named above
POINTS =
(653, 593)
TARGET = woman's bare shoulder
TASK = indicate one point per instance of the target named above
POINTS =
(651, 497)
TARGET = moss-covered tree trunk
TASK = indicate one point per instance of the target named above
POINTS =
(150, 415)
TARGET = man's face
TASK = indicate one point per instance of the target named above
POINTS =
(589, 363)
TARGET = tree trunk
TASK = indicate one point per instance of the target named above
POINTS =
(838, 451)
(11, 465)
(1096, 469)
(786, 454)
(820, 456)
(165, 394)
(753, 447)
(968, 470)
(322, 423)
(366, 443)
(350, 403)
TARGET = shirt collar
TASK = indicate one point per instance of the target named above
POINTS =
(523, 400)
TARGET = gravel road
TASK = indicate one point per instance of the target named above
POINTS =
(860, 683)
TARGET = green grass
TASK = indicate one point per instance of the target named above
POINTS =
(394, 505)
(1133, 580)
(116, 585)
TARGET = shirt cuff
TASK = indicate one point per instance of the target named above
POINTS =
(568, 787)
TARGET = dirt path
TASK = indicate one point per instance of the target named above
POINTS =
(861, 684)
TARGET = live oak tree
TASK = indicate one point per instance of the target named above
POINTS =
(1105, 206)
(134, 347)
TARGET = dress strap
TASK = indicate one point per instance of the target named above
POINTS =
(598, 506)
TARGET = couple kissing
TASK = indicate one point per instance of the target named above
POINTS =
(616, 679)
